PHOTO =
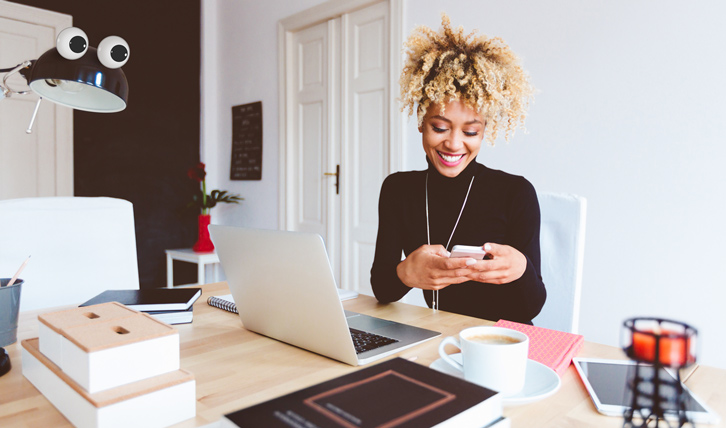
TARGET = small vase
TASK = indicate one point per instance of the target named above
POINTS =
(204, 244)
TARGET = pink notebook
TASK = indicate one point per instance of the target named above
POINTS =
(552, 348)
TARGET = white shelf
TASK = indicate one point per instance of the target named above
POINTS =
(190, 256)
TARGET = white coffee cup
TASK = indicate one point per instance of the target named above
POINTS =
(493, 357)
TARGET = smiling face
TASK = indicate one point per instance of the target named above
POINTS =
(452, 139)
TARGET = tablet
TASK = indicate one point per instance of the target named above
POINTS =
(607, 383)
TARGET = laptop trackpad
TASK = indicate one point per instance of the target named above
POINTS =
(365, 322)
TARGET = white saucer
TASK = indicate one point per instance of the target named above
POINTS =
(541, 381)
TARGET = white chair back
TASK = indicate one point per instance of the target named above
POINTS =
(79, 247)
(562, 244)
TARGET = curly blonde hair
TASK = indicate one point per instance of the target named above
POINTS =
(481, 72)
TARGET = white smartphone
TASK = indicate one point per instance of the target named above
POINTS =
(607, 383)
(477, 253)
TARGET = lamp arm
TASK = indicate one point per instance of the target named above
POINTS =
(5, 70)
(11, 71)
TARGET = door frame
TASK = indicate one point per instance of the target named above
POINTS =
(63, 116)
(285, 29)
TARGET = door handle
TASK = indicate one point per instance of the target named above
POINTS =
(337, 178)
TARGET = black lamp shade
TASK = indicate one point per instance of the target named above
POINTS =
(82, 84)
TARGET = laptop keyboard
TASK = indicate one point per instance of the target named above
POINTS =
(365, 341)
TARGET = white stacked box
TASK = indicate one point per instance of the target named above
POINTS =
(109, 366)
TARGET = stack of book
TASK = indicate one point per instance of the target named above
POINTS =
(396, 392)
(110, 366)
(169, 305)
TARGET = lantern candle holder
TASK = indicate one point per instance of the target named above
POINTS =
(656, 397)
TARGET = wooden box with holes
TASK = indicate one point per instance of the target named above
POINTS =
(52, 325)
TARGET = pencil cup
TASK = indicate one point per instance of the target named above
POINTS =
(9, 308)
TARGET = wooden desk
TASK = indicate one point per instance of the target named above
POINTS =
(236, 368)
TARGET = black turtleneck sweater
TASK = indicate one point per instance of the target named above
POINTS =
(502, 209)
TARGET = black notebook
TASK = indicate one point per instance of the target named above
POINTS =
(396, 393)
(173, 317)
(158, 299)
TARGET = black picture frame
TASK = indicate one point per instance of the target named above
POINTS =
(246, 161)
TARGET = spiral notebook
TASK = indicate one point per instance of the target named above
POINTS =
(224, 301)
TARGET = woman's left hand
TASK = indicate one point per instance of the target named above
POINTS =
(507, 264)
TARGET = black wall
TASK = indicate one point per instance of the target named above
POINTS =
(142, 153)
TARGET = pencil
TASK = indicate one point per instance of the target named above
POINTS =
(15, 277)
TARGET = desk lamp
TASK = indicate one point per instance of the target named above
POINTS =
(76, 75)
(73, 75)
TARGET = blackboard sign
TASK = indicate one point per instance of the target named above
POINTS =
(246, 142)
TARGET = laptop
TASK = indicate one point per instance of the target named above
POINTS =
(284, 288)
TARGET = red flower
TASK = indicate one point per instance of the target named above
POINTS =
(206, 201)
(197, 172)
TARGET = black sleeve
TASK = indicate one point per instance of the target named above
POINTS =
(387, 287)
(528, 291)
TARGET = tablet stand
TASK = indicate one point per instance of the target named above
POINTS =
(656, 344)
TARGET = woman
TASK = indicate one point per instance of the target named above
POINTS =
(466, 88)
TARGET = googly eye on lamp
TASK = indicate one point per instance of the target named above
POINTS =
(76, 75)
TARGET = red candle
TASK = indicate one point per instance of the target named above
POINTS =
(673, 350)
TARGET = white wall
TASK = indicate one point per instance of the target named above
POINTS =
(629, 114)
(242, 38)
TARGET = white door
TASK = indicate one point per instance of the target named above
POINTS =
(365, 139)
(314, 70)
(337, 92)
(40, 163)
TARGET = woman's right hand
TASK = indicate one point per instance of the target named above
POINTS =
(430, 268)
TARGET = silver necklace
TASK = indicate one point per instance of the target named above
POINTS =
(435, 299)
